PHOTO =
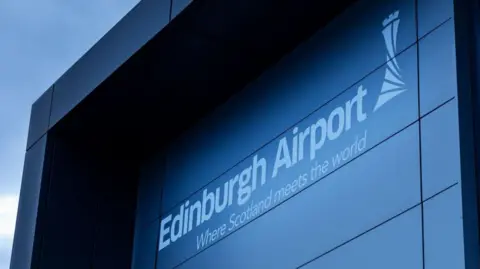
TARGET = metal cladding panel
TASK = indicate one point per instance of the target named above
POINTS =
(40, 117)
(29, 202)
(178, 6)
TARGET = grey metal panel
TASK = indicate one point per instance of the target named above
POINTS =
(28, 205)
(396, 244)
(440, 149)
(437, 67)
(431, 13)
(119, 44)
(40, 117)
(178, 6)
(444, 246)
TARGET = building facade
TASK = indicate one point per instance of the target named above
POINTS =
(293, 135)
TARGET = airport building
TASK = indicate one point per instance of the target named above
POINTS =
(261, 134)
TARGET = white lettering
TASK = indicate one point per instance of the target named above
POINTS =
(340, 114)
(262, 164)
(240, 187)
(164, 232)
(244, 189)
(314, 144)
(207, 202)
(282, 158)
(177, 224)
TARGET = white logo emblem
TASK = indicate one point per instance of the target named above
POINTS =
(393, 84)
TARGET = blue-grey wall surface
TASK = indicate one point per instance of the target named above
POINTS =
(344, 154)
(28, 205)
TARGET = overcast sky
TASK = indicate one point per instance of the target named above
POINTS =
(39, 41)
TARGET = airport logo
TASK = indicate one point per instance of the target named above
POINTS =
(305, 143)
(393, 84)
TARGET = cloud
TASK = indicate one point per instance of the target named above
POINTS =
(5, 252)
(8, 213)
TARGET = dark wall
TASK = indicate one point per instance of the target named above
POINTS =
(87, 216)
